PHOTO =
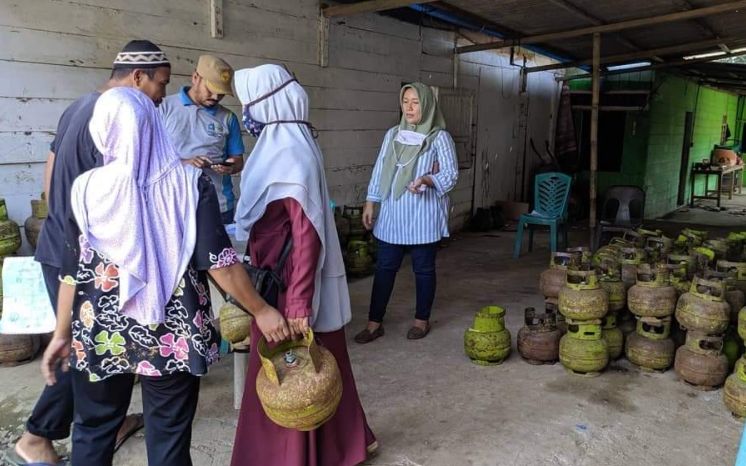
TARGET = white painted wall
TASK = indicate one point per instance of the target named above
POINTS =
(52, 51)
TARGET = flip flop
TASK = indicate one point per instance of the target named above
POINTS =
(14, 459)
(139, 424)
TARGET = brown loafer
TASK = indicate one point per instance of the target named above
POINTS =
(415, 333)
(366, 336)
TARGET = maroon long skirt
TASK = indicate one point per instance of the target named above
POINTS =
(341, 441)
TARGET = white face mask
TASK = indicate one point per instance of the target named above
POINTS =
(409, 138)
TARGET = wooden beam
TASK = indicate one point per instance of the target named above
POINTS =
(572, 8)
(626, 57)
(369, 6)
(612, 27)
(216, 19)
(656, 66)
(595, 100)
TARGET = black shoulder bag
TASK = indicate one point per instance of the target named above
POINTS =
(266, 280)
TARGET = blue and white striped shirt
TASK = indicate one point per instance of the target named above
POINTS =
(417, 218)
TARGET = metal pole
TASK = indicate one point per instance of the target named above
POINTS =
(594, 133)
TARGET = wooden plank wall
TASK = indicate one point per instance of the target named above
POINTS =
(56, 50)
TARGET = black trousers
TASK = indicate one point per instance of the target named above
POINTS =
(169, 404)
(53, 412)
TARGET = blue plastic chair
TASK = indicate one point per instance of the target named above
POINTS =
(551, 194)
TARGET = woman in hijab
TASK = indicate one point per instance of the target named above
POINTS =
(284, 195)
(144, 235)
(415, 170)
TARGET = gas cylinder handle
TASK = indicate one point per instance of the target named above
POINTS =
(562, 259)
(709, 344)
(742, 371)
(265, 354)
(529, 316)
(708, 289)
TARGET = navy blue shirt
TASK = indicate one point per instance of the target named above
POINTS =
(75, 153)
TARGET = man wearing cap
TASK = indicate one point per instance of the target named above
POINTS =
(141, 65)
(204, 133)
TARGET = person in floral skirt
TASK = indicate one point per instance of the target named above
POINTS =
(144, 235)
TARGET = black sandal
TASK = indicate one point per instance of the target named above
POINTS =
(366, 336)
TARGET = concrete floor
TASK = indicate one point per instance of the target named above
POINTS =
(429, 405)
(734, 215)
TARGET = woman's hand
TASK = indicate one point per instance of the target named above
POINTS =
(298, 326)
(56, 354)
(198, 162)
(419, 184)
(272, 324)
(368, 215)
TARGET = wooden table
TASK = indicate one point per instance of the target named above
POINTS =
(736, 181)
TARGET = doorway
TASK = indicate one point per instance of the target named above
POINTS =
(685, 148)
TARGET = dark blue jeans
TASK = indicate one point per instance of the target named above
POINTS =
(388, 263)
(53, 413)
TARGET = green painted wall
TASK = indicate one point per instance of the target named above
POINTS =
(654, 139)
(674, 97)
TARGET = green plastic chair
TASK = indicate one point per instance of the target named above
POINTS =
(551, 194)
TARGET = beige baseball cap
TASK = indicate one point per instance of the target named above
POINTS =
(217, 73)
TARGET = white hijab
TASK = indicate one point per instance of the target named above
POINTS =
(287, 163)
(140, 208)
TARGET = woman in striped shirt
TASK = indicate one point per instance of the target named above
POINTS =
(415, 170)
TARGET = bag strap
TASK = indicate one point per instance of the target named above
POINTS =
(284, 255)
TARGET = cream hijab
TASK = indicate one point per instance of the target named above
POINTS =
(287, 162)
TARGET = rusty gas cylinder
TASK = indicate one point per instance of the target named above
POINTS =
(354, 215)
(736, 271)
(357, 257)
(684, 260)
(704, 308)
(652, 295)
(678, 278)
(613, 336)
(631, 258)
(704, 258)
(235, 324)
(719, 246)
(299, 384)
(610, 278)
(538, 340)
(550, 307)
(10, 233)
(609, 252)
(17, 349)
(734, 390)
(582, 297)
(554, 278)
(487, 341)
(697, 236)
(32, 226)
(701, 361)
(582, 254)
(733, 296)
(658, 248)
(583, 350)
(650, 347)
(742, 323)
